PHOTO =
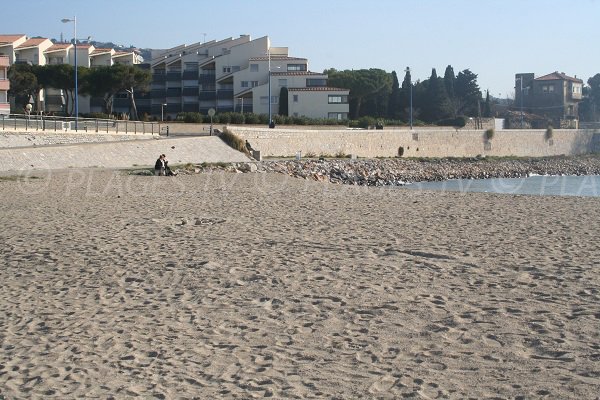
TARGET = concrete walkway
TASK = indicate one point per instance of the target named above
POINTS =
(119, 154)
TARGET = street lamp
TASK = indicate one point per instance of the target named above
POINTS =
(270, 116)
(407, 70)
(162, 106)
(242, 99)
(74, 21)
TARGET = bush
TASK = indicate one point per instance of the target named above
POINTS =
(252, 119)
(459, 121)
(489, 134)
(189, 117)
(98, 115)
(549, 132)
(233, 140)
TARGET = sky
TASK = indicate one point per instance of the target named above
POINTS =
(495, 39)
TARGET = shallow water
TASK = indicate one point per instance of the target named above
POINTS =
(587, 185)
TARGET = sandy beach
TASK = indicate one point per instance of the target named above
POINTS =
(238, 286)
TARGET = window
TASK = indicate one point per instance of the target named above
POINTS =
(283, 82)
(316, 82)
(226, 70)
(254, 83)
(244, 83)
(548, 88)
(338, 99)
(253, 67)
(295, 98)
(337, 116)
(274, 99)
(296, 67)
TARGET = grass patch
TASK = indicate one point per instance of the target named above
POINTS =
(18, 178)
(234, 141)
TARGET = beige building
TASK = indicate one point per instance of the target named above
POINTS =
(42, 51)
(4, 86)
(236, 74)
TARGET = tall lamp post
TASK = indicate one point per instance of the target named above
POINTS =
(270, 116)
(242, 99)
(407, 70)
(162, 114)
(74, 21)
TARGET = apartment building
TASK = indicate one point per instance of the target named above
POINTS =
(554, 96)
(238, 74)
(4, 85)
(42, 51)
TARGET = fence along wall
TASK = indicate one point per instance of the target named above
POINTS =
(420, 142)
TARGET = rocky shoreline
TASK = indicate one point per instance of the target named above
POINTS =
(397, 172)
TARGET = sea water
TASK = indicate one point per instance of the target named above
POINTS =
(587, 185)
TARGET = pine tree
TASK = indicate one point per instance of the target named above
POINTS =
(437, 104)
(394, 101)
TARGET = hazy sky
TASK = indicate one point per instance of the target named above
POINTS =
(493, 38)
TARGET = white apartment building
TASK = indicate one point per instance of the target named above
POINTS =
(42, 51)
(235, 74)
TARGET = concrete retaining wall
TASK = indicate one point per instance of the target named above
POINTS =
(123, 154)
(28, 139)
(419, 142)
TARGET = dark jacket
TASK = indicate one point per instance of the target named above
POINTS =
(159, 164)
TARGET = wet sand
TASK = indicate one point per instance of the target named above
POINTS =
(261, 285)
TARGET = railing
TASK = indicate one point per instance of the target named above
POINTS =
(24, 123)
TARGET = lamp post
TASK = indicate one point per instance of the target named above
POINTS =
(270, 116)
(74, 21)
(242, 99)
(407, 70)
(162, 107)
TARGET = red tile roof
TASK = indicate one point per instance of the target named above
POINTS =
(296, 73)
(31, 43)
(58, 47)
(10, 38)
(558, 76)
(98, 51)
(318, 89)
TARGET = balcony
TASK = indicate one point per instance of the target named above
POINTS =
(174, 92)
(191, 91)
(158, 94)
(159, 78)
(190, 75)
(4, 84)
(191, 107)
(3, 61)
(174, 76)
(207, 95)
(206, 79)
(225, 94)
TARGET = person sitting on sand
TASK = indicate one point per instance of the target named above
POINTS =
(159, 166)
(168, 171)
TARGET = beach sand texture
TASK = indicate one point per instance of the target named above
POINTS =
(260, 285)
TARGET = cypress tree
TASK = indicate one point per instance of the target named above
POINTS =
(283, 101)
(394, 101)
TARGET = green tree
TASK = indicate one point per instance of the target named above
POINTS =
(23, 83)
(589, 108)
(405, 93)
(394, 110)
(365, 85)
(102, 82)
(62, 76)
(283, 101)
(468, 93)
(437, 104)
(449, 83)
(131, 79)
(487, 110)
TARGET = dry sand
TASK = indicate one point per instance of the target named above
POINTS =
(259, 285)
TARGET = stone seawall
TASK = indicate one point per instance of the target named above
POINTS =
(420, 142)
(31, 139)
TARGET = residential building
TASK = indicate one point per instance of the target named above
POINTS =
(4, 85)
(42, 51)
(236, 74)
(555, 97)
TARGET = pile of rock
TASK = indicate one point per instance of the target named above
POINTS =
(396, 172)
